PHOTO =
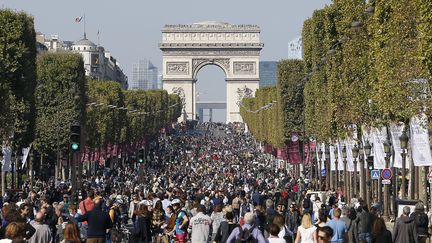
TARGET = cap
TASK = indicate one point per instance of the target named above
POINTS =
(175, 201)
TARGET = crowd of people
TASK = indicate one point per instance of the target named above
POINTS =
(210, 184)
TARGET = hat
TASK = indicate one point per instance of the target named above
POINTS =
(175, 201)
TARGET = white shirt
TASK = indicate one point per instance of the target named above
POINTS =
(306, 234)
(275, 240)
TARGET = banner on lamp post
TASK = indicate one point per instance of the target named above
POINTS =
(294, 150)
(420, 148)
(396, 130)
(7, 159)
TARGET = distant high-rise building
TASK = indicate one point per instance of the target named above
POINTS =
(295, 49)
(144, 75)
(268, 73)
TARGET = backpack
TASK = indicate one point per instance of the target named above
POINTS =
(187, 215)
(245, 235)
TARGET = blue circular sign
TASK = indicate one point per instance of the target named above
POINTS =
(386, 174)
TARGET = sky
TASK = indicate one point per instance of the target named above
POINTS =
(131, 29)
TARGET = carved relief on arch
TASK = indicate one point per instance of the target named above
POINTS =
(197, 63)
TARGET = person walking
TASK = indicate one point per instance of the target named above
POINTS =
(200, 226)
(225, 228)
(99, 222)
(405, 229)
(70, 234)
(43, 232)
(306, 231)
(247, 229)
(142, 226)
(380, 234)
(274, 231)
(338, 226)
(421, 222)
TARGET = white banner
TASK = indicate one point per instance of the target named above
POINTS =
(7, 158)
(379, 137)
(421, 153)
(396, 131)
(349, 143)
(340, 158)
(332, 158)
(25, 152)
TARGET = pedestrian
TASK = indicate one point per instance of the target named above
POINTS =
(306, 231)
(421, 222)
(404, 228)
(284, 232)
(98, 223)
(274, 231)
(200, 226)
(15, 232)
(364, 223)
(43, 232)
(292, 219)
(380, 234)
(247, 230)
(217, 216)
(142, 226)
(338, 226)
(324, 234)
(225, 228)
(182, 221)
(70, 234)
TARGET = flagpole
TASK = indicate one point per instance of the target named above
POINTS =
(85, 36)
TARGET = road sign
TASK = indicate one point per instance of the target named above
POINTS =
(386, 174)
(430, 175)
(375, 174)
(386, 182)
(323, 172)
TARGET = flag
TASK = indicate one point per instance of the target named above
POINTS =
(78, 19)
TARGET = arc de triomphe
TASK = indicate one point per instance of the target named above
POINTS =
(233, 48)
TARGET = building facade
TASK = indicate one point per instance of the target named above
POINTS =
(295, 49)
(268, 73)
(186, 48)
(98, 63)
(145, 75)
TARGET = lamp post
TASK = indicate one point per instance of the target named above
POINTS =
(387, 151)
(404, 145)
(367, 150)
(344, 156)
(362, 172)
(327, 167)
(336, 153)
(355, 152)
(320, 153)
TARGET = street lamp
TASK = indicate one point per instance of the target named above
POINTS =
(404, 145)
(327, 166)
(355, 152)
(336, 153)
(344, 156)
(387, 150)
(320, 153)
(368, 150)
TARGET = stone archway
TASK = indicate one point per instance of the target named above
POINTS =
(188, 48)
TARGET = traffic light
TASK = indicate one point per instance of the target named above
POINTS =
(370, 164)
(75, 137)
(141, 156)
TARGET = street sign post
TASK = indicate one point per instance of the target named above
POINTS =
(386, 174)
(375, 174)
(386, 182)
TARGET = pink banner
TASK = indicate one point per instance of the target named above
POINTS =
(293, 148)
(282, 154)
(309, 149)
